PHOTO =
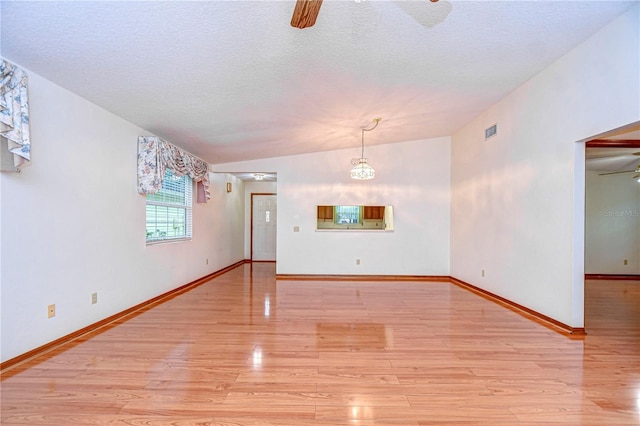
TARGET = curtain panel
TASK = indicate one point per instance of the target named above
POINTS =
(14, 112)
(156, 155)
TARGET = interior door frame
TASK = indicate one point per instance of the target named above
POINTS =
(601, 141)
(251, 225)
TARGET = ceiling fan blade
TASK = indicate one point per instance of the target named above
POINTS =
(617, 173)
(305, 13)
(428, 17)
(594, 154)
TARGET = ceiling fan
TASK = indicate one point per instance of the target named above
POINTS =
(306, 13)
(636, 171)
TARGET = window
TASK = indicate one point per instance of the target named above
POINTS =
(169, 210)
(347, 214)
(367, 218)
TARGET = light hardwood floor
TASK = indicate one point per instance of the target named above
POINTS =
(245, 349)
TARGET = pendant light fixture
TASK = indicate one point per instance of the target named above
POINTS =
(361, 170)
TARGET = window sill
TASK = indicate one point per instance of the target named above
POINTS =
(353, 230)
(168, 240)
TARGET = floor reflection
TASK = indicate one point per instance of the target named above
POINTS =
(246, 349)
(354, 336)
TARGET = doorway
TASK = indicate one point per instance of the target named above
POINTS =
(264, 214)
(611, 239)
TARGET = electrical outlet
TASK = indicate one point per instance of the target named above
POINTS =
(51, 311)
(626, 261)
(207, 261)
(94, 298)
(357, 261)
(483, 272)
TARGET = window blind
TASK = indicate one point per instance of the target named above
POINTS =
(169, 209)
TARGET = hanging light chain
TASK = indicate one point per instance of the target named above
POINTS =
(377, 121)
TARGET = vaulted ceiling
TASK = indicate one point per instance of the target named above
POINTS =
(233, 80)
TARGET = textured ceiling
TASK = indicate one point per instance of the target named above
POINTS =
(232, 80)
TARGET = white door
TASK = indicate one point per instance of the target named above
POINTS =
(263, 227)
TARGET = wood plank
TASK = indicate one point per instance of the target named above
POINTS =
(338, 352)
(305, 13)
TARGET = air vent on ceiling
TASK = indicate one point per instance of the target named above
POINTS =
(490, 132)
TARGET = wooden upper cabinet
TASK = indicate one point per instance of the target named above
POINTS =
(374, 212)
(325, 212)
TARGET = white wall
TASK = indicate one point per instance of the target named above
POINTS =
(516, 198)
(612, 224)
(1, 286)
(73, 224)
(413, 177)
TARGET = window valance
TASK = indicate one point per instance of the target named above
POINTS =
(156, 155)
(14, 112)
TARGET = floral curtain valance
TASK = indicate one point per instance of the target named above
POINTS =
(14, 112)
(155, 156)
